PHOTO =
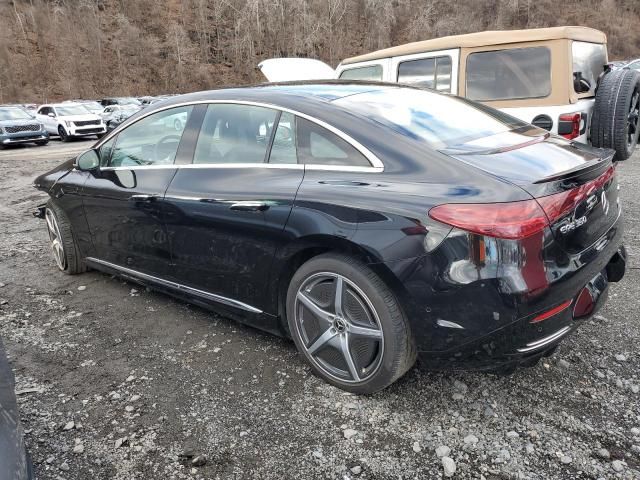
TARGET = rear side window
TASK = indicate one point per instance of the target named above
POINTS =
(434, 72)
(233, 133)
(372, 72)
(509, 74)
(589, 60)
(153, 140)
(319, 146)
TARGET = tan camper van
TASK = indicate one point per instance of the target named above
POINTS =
(555, 78)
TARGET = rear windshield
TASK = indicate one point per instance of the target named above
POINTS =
(440, 120)
(589, 60)
(372, 72)
(509, 74)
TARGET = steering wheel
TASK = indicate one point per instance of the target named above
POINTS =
(157, 154)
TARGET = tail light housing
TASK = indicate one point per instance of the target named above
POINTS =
(513, 220)
(569, 125)
(560, 204)
(516, 220)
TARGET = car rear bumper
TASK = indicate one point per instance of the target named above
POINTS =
(517, 344)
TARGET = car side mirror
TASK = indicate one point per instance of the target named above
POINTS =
(87, 161)
(580, 84)
(51, 114)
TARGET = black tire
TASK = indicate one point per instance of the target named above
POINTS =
(615, 122)
(62, 133)
(73, 261)
(395, 352)
(42, 142)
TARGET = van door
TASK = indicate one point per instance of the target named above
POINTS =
(437, 70)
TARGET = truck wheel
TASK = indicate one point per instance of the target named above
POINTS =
(616, 120)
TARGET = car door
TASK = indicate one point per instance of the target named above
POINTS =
(123, 197)
(227, 211)
(44, 118)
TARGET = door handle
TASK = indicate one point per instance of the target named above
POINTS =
(143, 198)
(249, 206)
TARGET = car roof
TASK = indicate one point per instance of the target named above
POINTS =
(284, 94)
(486, 38)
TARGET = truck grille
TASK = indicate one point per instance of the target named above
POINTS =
(23, 128)
(87, 122)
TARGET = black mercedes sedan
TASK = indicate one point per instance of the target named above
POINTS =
(371, 223)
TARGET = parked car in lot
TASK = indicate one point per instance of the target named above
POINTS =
(18, 126)
(69, 120)
(371, 223)
(555, 78)
(105, 102)
(114, 115)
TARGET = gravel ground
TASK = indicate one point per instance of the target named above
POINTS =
(117, 382)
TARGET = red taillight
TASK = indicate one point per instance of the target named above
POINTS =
(569, 125)
(550, 313)
(560, 204)
(514, 220)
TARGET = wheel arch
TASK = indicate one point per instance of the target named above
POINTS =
(290, 258)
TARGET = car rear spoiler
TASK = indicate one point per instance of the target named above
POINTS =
(591, 169)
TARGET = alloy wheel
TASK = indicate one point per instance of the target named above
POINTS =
(56, 240)
(633, 119)
(62, 133)
(339, 327)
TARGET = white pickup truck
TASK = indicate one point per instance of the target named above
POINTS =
(555, 78)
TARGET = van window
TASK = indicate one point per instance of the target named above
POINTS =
(372, 72)
(589, 59)
(509, 74)
(434, 72)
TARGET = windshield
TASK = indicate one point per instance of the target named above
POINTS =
(440, 120)
(72, 110)
(92, 106)
(14, 113)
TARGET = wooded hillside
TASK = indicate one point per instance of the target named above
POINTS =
(55, 49)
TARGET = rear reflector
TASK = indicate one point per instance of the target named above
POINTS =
(569, 125)
(584, 304)
(550, 313)
(514, 220)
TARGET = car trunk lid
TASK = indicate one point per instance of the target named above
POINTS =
(574, 184)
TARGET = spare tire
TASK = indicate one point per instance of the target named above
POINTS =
(615, 123)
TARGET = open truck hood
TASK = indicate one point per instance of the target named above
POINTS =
(290, 69)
